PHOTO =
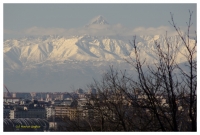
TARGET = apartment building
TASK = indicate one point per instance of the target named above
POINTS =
(28, 112)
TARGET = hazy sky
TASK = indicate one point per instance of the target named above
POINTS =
(21, 19)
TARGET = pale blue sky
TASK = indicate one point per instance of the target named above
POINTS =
(19, 17)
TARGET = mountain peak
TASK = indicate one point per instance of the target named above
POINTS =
(98, 20)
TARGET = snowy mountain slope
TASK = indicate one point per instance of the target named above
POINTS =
(33, 51)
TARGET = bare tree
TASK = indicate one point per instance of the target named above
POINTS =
(158, 84)
(189, 78)
(117, 106)
(161, 81)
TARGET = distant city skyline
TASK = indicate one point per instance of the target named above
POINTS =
(31, 19)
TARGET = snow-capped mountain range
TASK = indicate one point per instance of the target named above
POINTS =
(56, 63)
